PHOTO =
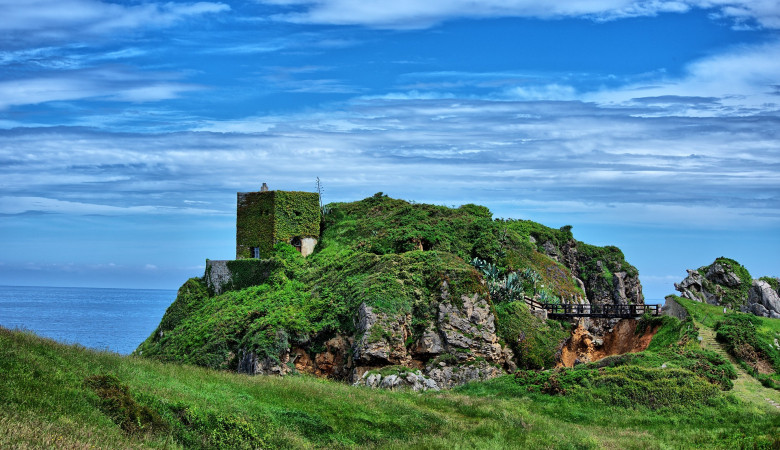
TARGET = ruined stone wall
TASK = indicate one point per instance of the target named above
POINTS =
(233, 275)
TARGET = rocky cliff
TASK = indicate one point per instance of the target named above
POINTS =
(726, 282)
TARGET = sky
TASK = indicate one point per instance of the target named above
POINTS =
(126, 128)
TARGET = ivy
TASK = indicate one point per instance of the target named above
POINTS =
(265, 218)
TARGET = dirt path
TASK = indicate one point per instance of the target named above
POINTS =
(745, 386)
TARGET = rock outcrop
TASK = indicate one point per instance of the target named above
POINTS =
(459, 345)
(725, 282)
(763, 300)
(399, 379)
(605, 276)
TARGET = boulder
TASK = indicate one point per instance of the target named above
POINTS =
(402, 379)
(763, 300)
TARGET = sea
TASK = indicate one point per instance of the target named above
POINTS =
(117, 320)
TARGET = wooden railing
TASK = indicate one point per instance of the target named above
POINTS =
(568, 310)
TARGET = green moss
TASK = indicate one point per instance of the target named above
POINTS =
(623, 386)
(188, 299)
(732, 297)
(672, 333)
(534, 342)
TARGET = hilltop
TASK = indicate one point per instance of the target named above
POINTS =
(394, 283)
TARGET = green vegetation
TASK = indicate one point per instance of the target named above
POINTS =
(534, 342)
(748, 338)
(266, 218)
(49, 398)
(731, 296)
(761, 359)
(396, 257)
(774, 282)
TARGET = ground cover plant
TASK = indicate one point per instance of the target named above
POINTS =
(49, 398)
(748, 338)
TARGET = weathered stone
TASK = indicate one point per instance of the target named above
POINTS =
(692, 287)
(415, 381)
(718, 274)
(429, 344)
(674, 309)
(382, 338)
(249, 363)
(763, 300)
(390, 381)
(450, 376)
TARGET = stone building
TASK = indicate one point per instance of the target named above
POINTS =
(268, 217)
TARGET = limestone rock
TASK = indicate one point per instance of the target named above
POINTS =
(453, 375)
(463, 331)
(763, 300)
(413, 380)
(692, 287)
(382, 338)
(718, 274)
(249, 363)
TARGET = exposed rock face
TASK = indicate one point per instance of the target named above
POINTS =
(720, 275)
(763, 300)
(674, 309)
(334, 362)
(459, 345)
(414, 380)
(720, 284)
(692, 287)
(621, 288)
(251, 364)
(382, 338)
(584, 346)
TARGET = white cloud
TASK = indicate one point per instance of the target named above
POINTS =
(34, 21)
(21, 205)
(743, 80)
(598, 163)
(406, 14)
(106, 83)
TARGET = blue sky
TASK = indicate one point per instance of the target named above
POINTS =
(127, 127)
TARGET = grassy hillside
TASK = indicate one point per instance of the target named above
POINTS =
(751, 340)
(58, 396)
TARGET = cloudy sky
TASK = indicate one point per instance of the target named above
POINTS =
(126, 128)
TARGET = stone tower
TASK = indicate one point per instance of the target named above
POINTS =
(268, 217)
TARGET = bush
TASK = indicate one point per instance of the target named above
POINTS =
(740, 335)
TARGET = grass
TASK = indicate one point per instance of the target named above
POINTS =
(747, 338)
(49, 399)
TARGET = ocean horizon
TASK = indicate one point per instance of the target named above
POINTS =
(114, 319)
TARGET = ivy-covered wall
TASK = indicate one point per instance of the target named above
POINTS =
(265, 218)
(234, 275)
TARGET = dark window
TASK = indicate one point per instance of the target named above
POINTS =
(296, 242)
(255, 252)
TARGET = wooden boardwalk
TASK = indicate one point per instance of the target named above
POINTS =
(574, 310)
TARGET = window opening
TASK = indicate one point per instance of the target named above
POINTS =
(296, 242)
